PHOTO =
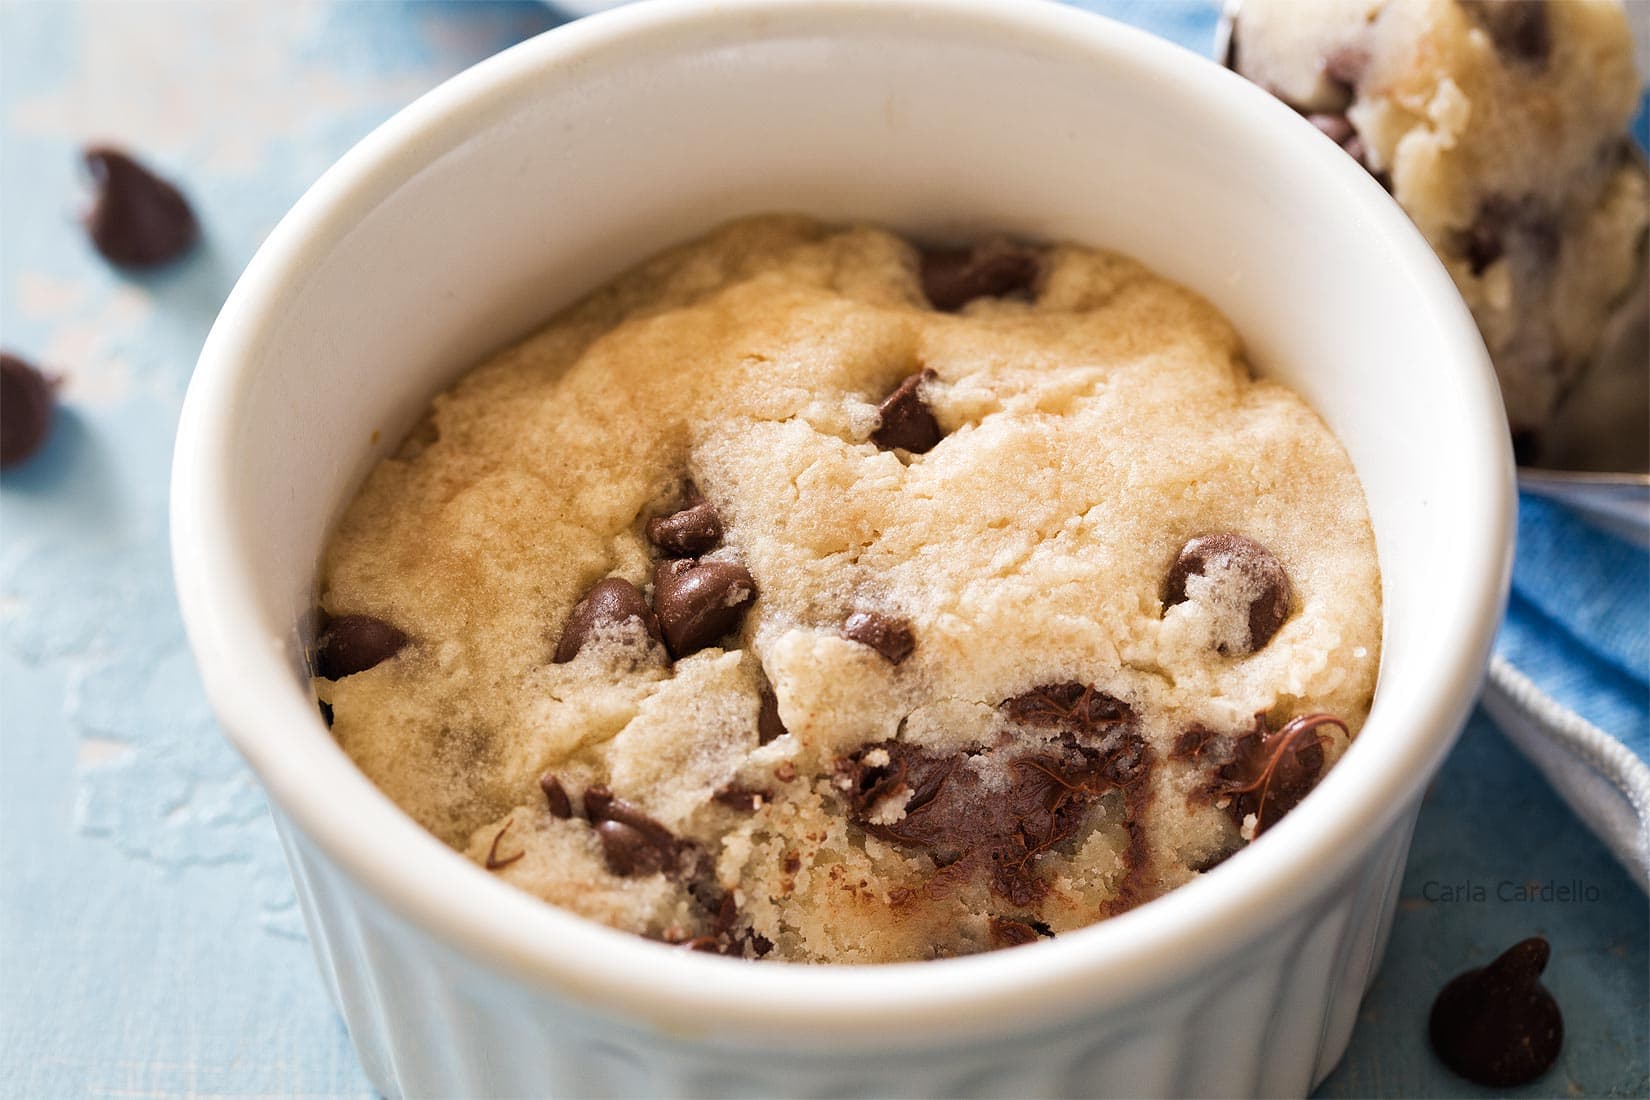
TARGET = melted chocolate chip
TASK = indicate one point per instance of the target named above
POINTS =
(627, 851)
(1499, 1026)
(1519, 28)
(888, 636)
(608, 603)
(769, 726)
(688, 533)
(136, 219)
(943, 805)
(1247, 570)
(953, 277)
(1259, 772)
(1010, 932)
(700, 602)
(355, 643)
(1075, 708)
(494, 862)
(555, 795)
(26, 408)
(632, 842)
(907, 421)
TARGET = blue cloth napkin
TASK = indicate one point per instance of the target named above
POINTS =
(1570, 683)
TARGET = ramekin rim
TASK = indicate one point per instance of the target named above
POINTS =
(1153, 946)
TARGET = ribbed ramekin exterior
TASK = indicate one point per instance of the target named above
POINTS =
(1268, 1019)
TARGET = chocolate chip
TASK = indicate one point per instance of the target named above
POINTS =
(888, 636)
(627, 851)
(355, 643)
(907, 421)
(26, 408)
(1244, 572)
(1011, 933)
(1075, 708)
(699, 602)
(688, 533)
(1333, 126)
(556, 796)
(1519, 28)
(1499, 1026)
(1259, 772)
(769, 726)
(608, 603)
(326, 712)
(633, 843)
(998, 809)
(953, 277)
(136, 219)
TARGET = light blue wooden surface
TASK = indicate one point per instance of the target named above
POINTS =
(149, 941)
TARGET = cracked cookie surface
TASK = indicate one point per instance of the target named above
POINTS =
(765, 604)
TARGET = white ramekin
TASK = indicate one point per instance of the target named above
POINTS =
(482, 208)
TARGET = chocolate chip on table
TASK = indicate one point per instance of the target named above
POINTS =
(907, 422)
(1499, 1026)
(26, 408)
(609, 602)
(1259, 772)
(1245, 564)
(699, 602)
(355, 643)
(136, 218)
(1519, 28)
(555, 795)
(889, 636)
(688, 533)
(769, 726)
(953, 277)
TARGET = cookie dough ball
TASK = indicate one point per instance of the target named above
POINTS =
(1500, 127)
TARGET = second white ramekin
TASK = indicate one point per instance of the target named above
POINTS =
(481, 209)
